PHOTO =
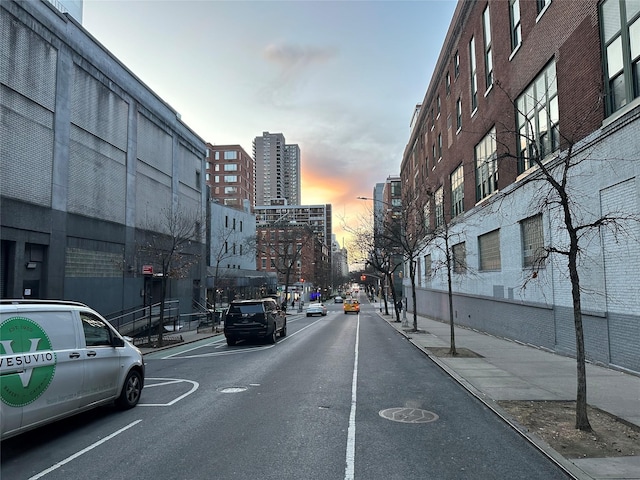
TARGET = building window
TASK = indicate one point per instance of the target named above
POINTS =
(459, 257)
(433, 119)
(438, 106)
(439, 146)
(532, 233)
(439, 207)
(516, 28)
(230, 190)
(456, 65)
(620, 27)
(488, 60)
(489, 250)
(217, 156)
(486, 164)
(457, 192)
(264, 263)
(216, 178)
(426, 215)
(472, 69)
(458, 114)
(230, 178)
(231, 167)
(542, 5)
(427, 266)
(231, 155)
(537, 119)
(447, 83)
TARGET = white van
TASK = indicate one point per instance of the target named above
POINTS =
(60, 358)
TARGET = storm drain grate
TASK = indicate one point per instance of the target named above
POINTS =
(408, 415)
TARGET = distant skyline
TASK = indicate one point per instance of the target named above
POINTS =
(339, 78)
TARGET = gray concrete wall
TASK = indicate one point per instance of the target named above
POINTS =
(73, 184)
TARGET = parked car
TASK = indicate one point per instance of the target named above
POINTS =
(60, 358)
(259, 319)
(351, 305)
(316, 309)
(338, 299)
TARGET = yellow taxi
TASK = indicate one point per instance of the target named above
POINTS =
(351, 305)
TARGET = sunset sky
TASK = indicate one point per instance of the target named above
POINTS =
(339, 78)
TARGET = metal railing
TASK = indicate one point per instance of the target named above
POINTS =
(141, 320)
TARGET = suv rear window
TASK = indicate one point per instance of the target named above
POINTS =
(246, 308)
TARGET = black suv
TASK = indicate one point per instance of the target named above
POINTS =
(254, 319)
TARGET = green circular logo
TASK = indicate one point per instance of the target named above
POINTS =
(27, 361)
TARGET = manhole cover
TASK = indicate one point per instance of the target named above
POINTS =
(233, 389)
(408, 415)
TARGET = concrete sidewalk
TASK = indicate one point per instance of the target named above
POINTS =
(508, 370)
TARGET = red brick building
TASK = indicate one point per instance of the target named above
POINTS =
(230, 176)
(527, 95)
(493, 54)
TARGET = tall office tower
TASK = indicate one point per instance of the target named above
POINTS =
(277, 170)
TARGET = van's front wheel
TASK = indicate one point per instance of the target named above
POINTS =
(131, 390)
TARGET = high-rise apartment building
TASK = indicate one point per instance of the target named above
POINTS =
(291, 170)
(277, 170)
(230, 171)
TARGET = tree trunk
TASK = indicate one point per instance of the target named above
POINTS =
(452, 347)
(582, 419)
(412, 272)
(452, 335)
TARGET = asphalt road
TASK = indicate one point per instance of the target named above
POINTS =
(341, 397)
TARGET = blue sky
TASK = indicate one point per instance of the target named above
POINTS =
(339, 78)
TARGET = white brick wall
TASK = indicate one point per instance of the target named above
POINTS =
(603, 182)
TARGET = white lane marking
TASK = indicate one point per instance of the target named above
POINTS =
(234, 352)
(82, 452)
(349, 471)
(168, 381)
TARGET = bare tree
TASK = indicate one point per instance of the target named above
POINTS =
(226, 243)
(377, 251)
(556, 161)
(168, 245)
(286, 246)
(405, 231)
